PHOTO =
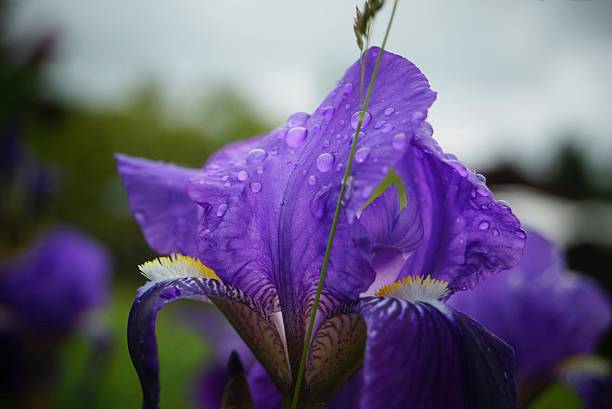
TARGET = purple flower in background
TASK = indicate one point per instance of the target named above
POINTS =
(259, 214)
(547, 314)
(45, 293)
(51, 284)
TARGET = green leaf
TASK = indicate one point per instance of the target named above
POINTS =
(558, 396)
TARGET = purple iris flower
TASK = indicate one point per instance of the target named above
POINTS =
(49, 285)
(547, 314)
(45, 292)
(258, 215)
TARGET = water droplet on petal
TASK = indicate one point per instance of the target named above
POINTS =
(281, 133)
(484, 225)
(325, 162)
(326, 143)
(389, 111)
(222, 209)
(425, 130)
(312, 180)
(260, 170)
(399, 140)
(256, 155)
(482, 178)
(328, 112)
(339, 167)
(319, 201)
(417, 117)
(362, 154)
(297, 119)
(379, 124)
(355, 119)
(367, 191)
(255, 187)
(387, 128)
(140, 217)
(495, 232)
(296, 136)
(348, 88)
(243, 175)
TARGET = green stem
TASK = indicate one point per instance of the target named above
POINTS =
(332, 233)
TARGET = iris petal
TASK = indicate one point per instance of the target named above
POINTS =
(249, 319)
(157, 194)
(422, 356)
(468, 235)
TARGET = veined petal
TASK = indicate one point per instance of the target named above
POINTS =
(419, 355)
(468, 235)
(544, 313)
(157, 194)
(249, 319)
(273, 197)
(389, 234)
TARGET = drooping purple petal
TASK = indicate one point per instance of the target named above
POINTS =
(390, 235)
(275, 203)
(430, 357)
(545, 314)
(336, 352)
(55, 281)
(249, 319)
(468, 235)
(157, 194)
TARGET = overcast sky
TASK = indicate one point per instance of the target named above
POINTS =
(511, 74)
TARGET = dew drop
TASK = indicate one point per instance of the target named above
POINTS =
(260, 170)
(281, 133)
(389, 111)
(312, 180)
(399, 140)
(297, 119)
(328, 112)
(484, 225)
(355, 119)
(325, 162)
(221, 209)
(417, 117)
(326, 143)
(481, 177)
(387, 128)
(243, 175)
(296, 136)
(348, 88)
(425, 130)
(255, 187)
(319, 201)
(379, 124)
(362, 154)
(256, 155)
(339, 167)
(140, 216)
(495, 232)
(367, 191)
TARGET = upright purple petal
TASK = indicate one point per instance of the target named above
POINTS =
(51, 284)
(275, 202)
(545, 314)
(431, 357)
(389, 234)
(468, 235)
(157, 194)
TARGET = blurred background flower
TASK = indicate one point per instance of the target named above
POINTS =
(525, 101)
